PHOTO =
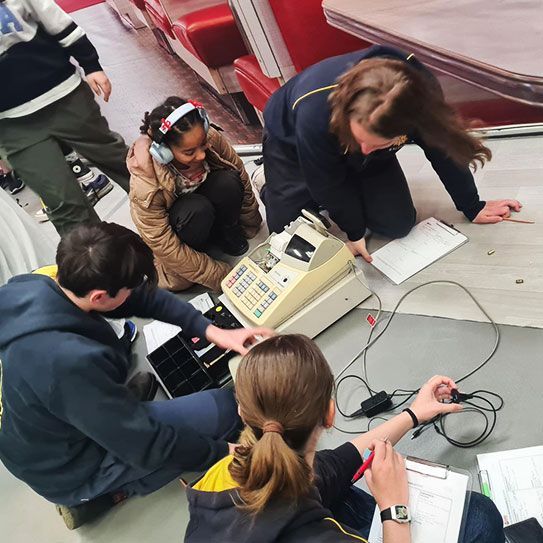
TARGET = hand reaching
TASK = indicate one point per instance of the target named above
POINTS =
(496, 210)
(239, 340)
(359, 248)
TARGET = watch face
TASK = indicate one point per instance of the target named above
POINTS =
(401, 512)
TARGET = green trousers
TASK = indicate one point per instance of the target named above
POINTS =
(31, 144)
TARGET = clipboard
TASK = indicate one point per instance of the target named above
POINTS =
(438, 501)
(514, 481)
(428, 241)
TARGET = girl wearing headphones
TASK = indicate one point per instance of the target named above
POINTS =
(332, 133)
(188, 190)
(277, 488)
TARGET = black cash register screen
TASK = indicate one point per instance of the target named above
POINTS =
(300, 249)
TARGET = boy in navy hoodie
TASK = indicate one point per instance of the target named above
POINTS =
(69, 427)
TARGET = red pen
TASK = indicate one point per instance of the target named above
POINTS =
(358, 475)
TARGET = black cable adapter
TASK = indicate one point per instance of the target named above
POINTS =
(376, 404)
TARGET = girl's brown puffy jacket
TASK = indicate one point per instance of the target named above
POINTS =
(152, 193)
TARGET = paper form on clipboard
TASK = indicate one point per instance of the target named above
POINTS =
(427, 242)
(437, 502)
(515, 480)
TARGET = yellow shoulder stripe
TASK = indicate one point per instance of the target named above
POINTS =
(298, 100)
(217, 478)
(50, 271)
(409, 56)
(357, 537)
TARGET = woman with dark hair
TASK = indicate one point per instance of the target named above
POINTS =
(188, 189)
(332, 133)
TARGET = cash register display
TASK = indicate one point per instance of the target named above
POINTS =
(300, 249)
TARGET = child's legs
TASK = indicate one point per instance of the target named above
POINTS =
(192, 217)
(213, 413)
(484, 524)
(224, 189)
(355, 511)
(45, 171)
(79, 123)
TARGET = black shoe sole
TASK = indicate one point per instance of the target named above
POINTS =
(235, 252)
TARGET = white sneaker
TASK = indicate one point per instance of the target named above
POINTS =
(257, 178)
(41, 215)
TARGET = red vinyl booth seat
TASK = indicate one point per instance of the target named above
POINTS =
(140, 4)
(254, 84)
(308, 36)
(159, 17)
(211, 35)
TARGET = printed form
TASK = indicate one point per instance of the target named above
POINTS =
(516, 482)
(436, 505)
(427, 242)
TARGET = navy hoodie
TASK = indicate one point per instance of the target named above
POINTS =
(298, 116)
(63, 399)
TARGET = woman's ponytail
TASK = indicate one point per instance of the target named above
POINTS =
(269, 468)
(284, 386)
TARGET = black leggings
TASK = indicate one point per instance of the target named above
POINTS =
(384, 194)
(200, 217)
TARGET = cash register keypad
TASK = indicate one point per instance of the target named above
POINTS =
(254, 293)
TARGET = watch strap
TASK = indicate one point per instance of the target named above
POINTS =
(386, 514)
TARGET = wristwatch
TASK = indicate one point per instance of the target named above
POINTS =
(397, 513)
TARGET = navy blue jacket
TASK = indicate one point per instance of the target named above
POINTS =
(63, 399)
(298, 116)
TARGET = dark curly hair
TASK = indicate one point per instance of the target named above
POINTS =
(151, 121)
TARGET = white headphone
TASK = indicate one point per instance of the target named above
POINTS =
(159, 150)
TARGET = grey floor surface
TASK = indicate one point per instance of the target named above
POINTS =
(414, 349)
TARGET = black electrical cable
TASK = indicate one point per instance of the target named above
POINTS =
(490, 420)
(439, 422)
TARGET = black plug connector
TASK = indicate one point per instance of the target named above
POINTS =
(457, 397)
(376, 404)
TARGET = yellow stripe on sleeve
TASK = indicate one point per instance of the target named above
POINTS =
(357, 537)
(298, 100)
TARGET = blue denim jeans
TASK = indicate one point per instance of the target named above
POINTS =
(213, 413)
(484, 523)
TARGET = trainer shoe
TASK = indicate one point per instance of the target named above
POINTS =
(257, 178)
(11, 183)
(82, 172)
(77, 515)
(41, 215)
(130, 330)
(97, 189)
(143, 386)
(232, 241)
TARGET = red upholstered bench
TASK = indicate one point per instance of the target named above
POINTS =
(140, 4)
(255, 85)
(158, 15)
(211, 35)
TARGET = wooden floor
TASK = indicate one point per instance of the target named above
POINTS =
(516, 171)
